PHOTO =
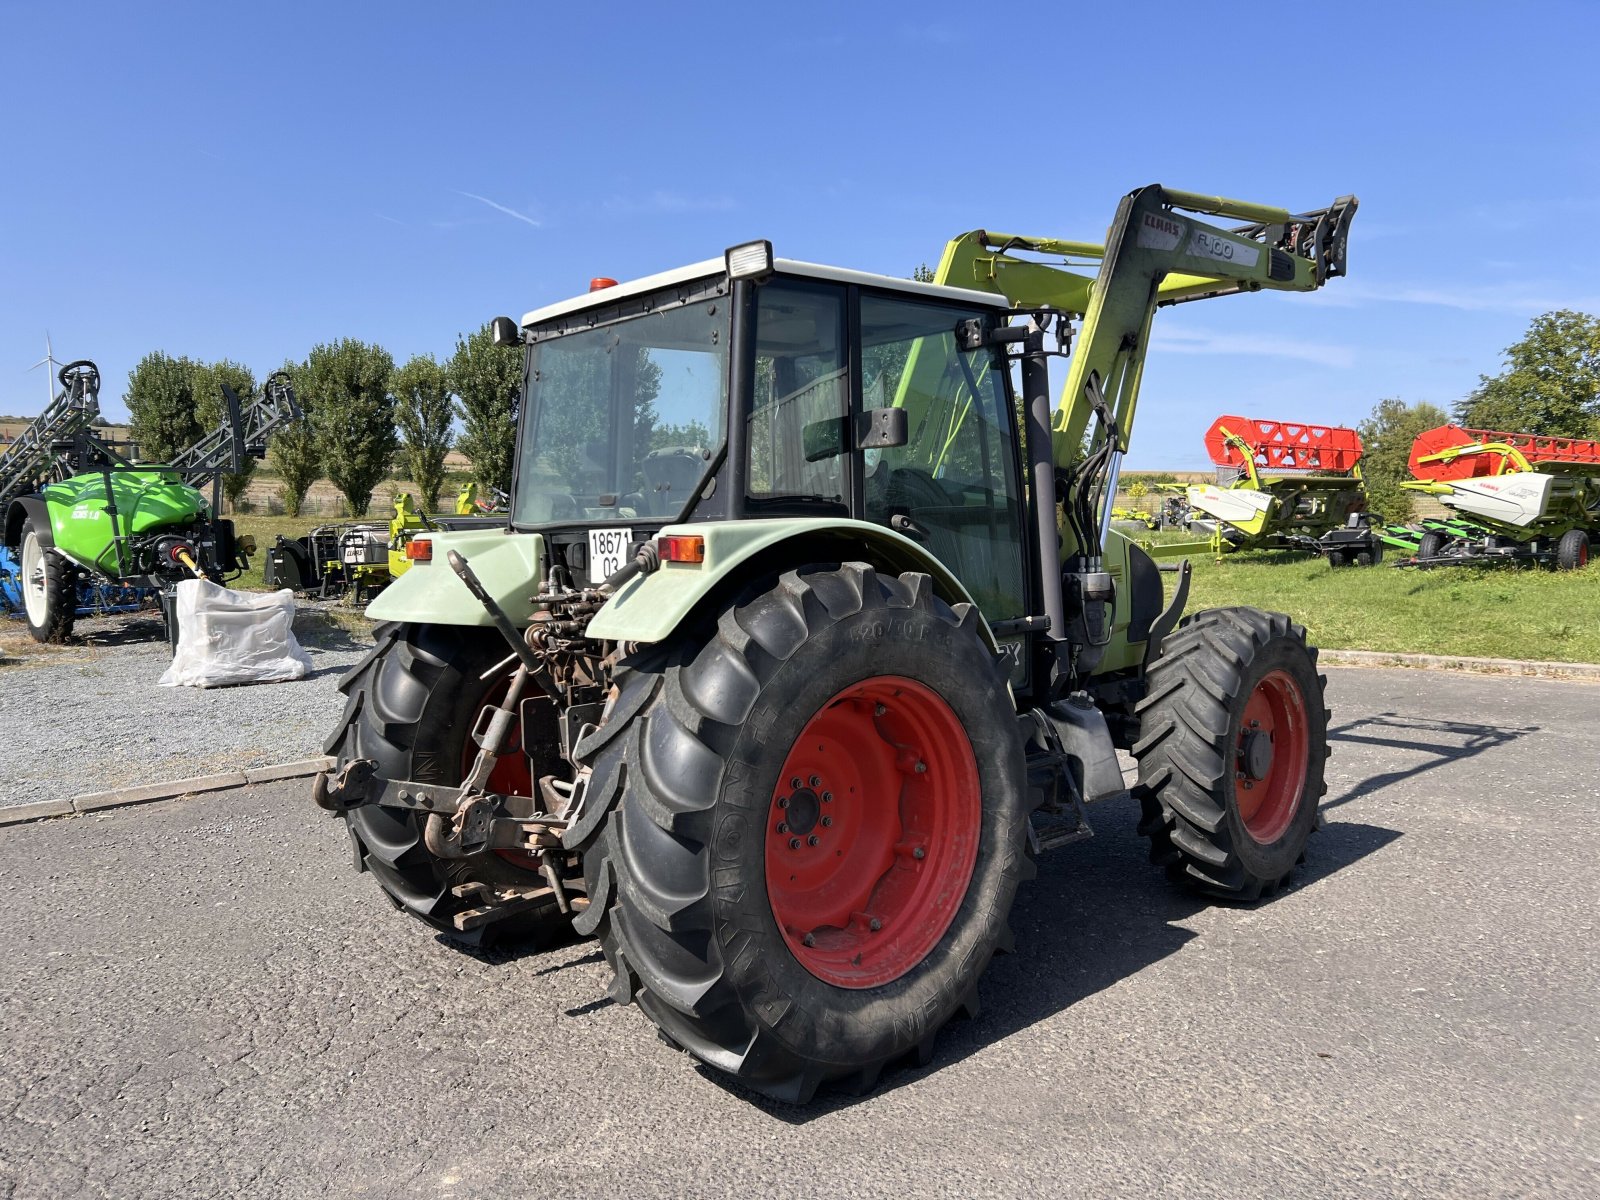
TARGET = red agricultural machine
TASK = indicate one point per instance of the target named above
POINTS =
(1512, 496)
(1284, 486)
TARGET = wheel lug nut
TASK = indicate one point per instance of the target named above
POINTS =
(810, 939)
(783, 827)
(794, 843)
(813, 840)
(879, 709)
(795, 782)
(827, 797)
(827, 821)
(919, 852)
(921, 768)
(816, 781)
(874, 924)
(783, 802)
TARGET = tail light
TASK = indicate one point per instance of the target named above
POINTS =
(684, 548)
(420, 550)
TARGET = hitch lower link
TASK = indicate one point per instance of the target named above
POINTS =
(469, 819)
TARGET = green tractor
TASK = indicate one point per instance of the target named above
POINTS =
(77, 514)
(805, 633)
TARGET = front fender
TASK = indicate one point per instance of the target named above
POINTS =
(20, 511)
(509, 565)
(649, 608)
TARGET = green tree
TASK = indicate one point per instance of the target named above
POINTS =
(212, 410)
(353, 415)
(424, 412)
(293, 450)
(1550, 383)
(161, 398)
(1386, 438)
(487, 381)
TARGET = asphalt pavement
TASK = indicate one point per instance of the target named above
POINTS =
(202, 998)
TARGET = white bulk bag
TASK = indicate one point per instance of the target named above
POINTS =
(227, 637)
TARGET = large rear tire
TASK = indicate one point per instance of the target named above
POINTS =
(1233, 741)
(412, 704)
(49, 587)
(804, 829)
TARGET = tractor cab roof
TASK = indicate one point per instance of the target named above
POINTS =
(782, 266)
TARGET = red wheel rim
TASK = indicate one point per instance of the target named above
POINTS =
(1271, 757)
(872, 832)
(511, 776)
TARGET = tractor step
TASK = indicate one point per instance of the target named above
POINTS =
(1049, 831)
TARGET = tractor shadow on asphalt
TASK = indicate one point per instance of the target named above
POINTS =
(1439, 742)
(1097, 914)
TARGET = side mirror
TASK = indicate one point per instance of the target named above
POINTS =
(505, 332)
(875, 429)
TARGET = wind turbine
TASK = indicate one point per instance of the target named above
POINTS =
(50, 375)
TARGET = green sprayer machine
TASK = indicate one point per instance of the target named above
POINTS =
(1512, 497)
(1289, 487)
(806, 631)
(87, 531)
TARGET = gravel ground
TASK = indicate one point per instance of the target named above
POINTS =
(89, 716)
(202, 998)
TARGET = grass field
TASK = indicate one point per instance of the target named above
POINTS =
(1501, 612)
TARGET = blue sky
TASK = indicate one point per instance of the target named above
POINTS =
(244, 181)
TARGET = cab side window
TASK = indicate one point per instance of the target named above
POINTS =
(955, 481)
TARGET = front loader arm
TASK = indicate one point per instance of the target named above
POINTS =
(1155, 254)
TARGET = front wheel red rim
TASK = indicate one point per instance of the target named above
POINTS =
(1272, 757)
(872, 832)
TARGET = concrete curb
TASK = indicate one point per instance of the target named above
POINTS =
(149, 792)
(1456, 662)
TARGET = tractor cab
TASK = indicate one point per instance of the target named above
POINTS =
(753, 388)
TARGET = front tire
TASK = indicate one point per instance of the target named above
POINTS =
(1431, 545)
(1233, 742)
(411, 708)
(49, 587)
(803, 832)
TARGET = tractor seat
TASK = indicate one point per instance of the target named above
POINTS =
(670, 475)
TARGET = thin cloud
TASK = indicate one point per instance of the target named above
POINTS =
(667, 202)
(1195, 341)
(498, 207)
(1521, 299)
(388, 218)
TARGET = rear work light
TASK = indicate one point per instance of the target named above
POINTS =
(684, 548)
(753, 260)
(419, 550)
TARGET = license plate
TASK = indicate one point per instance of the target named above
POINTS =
(608, 550)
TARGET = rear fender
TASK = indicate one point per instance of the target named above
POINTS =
(650, 608)
(509, 565)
